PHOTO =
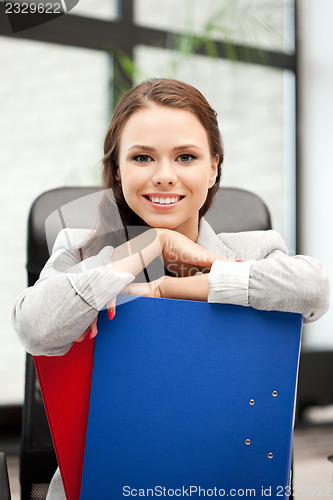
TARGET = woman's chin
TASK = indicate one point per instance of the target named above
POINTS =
(162, 224)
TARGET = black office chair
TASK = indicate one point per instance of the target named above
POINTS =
(232, 210)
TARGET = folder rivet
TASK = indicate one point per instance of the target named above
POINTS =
(251, 402)
(247, 442)
(270, 455)
(274, 394)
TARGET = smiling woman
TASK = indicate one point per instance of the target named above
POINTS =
(163, 156)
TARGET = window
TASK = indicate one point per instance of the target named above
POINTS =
(55, 93)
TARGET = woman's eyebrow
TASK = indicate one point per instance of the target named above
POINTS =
(186, 146)
(141, 146)
(176, 148)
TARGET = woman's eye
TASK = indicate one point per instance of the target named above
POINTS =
(142, 158)
(186, 157)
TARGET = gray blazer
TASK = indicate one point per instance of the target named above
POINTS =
(52, 314)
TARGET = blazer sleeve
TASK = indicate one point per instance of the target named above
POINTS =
(296, 284)
(52, 314)
(269, 279)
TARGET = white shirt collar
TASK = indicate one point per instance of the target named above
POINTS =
(208, 239)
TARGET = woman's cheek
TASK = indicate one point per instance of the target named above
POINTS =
(129, 186)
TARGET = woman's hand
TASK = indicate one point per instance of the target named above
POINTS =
(188, 288)
(91, 331)
(168, 287)
(182, 256)
(153, 289)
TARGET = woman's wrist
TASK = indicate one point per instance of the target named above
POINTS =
(137, 253)
(162, 234)
(188, 288)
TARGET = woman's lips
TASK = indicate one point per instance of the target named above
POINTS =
(163, 202)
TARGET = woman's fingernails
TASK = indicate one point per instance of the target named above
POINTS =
(90, 335)
(111, 313)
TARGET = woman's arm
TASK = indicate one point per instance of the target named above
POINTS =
(64, 302)
(274, 280)
(295, 284)
(269, 279)
(62, 305)
(52, 314)
(167, 287)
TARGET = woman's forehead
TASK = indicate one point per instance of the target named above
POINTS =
(162, 123)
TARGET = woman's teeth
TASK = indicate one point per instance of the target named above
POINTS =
(164, 201)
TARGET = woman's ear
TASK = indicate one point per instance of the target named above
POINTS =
(213, 170)
(118, 175)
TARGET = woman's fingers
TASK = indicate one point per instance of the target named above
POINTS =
(82, 337)
(151, 289)
(111, 307)
(177, 248)
(93, 329)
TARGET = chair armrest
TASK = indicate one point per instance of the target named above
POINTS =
(4, 481)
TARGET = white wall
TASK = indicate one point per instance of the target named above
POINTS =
(53, 117)
(316, 133)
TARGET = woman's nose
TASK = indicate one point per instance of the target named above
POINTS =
(164, 175)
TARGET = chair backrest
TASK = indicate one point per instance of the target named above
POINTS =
(232, 210)
(235, 210)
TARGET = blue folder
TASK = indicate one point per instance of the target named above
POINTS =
(191, 399)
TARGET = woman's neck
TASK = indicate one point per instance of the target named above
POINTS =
(189, 228)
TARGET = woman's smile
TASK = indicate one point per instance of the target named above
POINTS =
(163, 201)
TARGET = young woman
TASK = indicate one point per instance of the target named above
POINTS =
(163, 156)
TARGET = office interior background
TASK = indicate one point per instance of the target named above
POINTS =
(268, 74)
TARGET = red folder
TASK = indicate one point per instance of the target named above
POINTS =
(65, 384)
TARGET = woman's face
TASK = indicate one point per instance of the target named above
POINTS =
(166, 167)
